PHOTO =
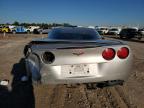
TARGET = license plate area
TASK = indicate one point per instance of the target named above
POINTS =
(78, 70)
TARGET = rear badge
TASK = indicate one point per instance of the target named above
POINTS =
(78, 52)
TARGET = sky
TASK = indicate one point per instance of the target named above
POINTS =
(77, 12)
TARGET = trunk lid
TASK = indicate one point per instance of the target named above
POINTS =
(74, 52)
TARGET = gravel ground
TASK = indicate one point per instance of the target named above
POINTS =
(26, 95)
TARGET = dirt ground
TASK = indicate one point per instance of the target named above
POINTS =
(25, 95)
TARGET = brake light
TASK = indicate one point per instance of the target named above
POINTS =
(108, 54)
(123, 53)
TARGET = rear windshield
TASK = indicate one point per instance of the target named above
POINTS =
(74, 34)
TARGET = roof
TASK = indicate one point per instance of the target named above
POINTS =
(74, 29)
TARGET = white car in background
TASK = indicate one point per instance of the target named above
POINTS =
(114, 31)
(92, 27)
(103, 30)
(41, 31)
(141, 31)
(31, 28)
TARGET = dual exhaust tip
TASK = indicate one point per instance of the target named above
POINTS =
(104, 84)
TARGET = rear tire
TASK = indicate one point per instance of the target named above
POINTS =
(41, 32)
(121, 37)
(4, 31)
(14, 32)
(139, 37)
(28, 31)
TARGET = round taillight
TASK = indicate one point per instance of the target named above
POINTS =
(48, 57)
(108, 54)
(123, 53)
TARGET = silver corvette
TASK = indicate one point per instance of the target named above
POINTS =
(77, 55)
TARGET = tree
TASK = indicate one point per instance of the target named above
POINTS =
(16, 23)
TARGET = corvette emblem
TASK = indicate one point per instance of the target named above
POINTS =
(78, 52)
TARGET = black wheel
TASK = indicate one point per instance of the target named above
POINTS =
(127, 37)
(121, 37)
(41, 32)
(28, 31)
(139, 37)
(14, 32)
(4, 31)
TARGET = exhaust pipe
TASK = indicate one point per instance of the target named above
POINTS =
(109, 83)
(104, 84)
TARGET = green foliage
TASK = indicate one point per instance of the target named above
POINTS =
(42, 25)
(16, 23)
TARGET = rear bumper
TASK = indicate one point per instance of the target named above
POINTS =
(54, 78)
(118, 70)
(84, 79)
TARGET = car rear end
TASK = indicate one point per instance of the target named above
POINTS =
(114, 31)
(79, 63)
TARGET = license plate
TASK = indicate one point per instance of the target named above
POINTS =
(78, 69)
(75, 69)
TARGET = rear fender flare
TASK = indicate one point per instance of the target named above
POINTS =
(33, 66)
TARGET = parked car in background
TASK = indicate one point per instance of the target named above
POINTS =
(31, 28)
(5, 29)
(77, 55)
(93, 27)
(0, 28)
(141, 31)
(114, 31)
(11, 27)
(20, 29)
(41, 31)
(45, 31)
(36, 31)
(129, 33)
(102, 30)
